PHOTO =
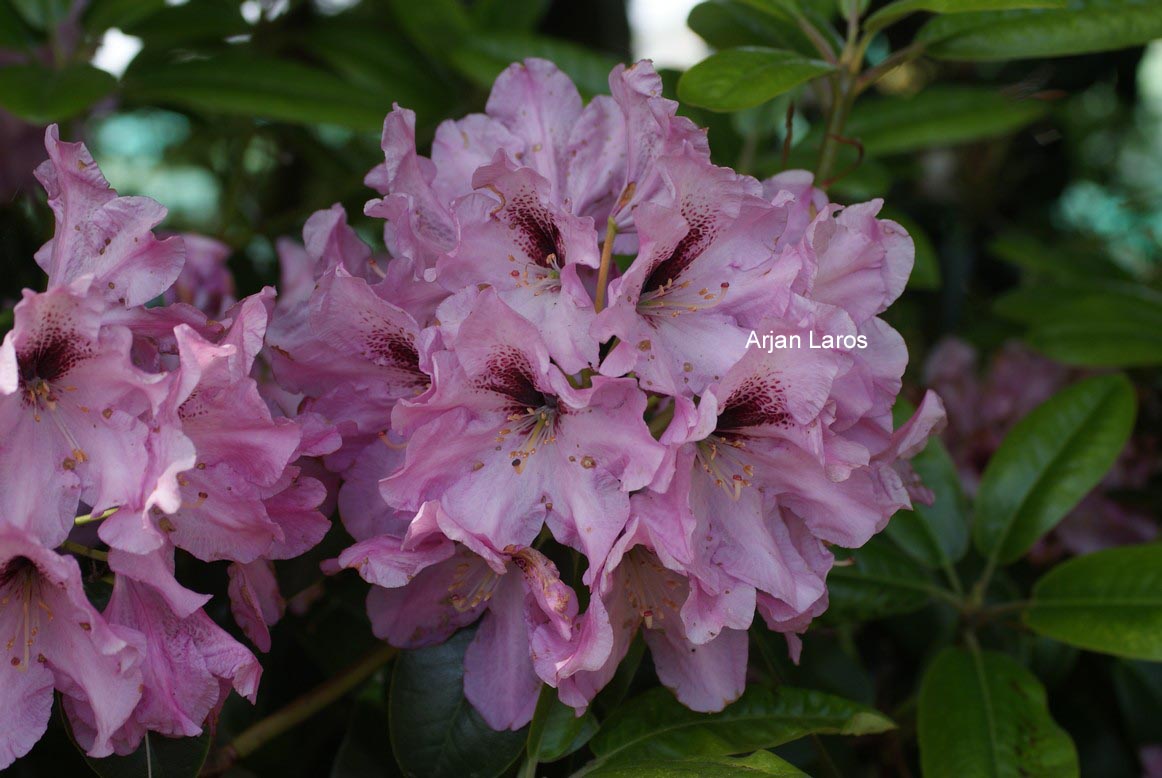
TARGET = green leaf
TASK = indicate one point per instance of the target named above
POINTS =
(761, 764)
(103, 14)
(244, 84)
(893, 12)
(14, 31)
(379, 59)
(159, 757)
(655, 726)
(938, 117)
(565, 732)
(880, 581)
(727, 23)
(1089, 322)
(1084, 26)
(982, 714)
(734, 79)
(936, 535)
(501, 15)
(482, 57)
(40, 95)
(364, 752)
(1049, 461)
(1109, 601)
(42, 14)
(437, 27)
(181, 25)
(1060, 261)
(1138, 686)
(435, 731)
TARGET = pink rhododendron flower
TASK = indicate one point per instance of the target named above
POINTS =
(53, 638)
(529, 448)
(151, 421)
(426, 586)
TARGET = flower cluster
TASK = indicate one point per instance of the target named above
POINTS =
(983, 408)
(552, 372)
(143, 418)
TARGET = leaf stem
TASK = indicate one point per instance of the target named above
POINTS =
(82, 550)
(301, 709)
(606, 261)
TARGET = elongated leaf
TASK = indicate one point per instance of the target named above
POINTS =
(1097, 343)
(482, 57)
(727, 23)
(740, 78)
(103, 14)
(42, 14)
(1082, 27)
(435, 731)
(757, 765)
(565, 732)
(380, 60)
(41, 95)
(941, 116)
(501, 15)
(436, 26)
(1109, 601)
(365, 752)
(982, 714)
(893, 12)
(935, 535)
(1061, 261)
(15, 33)
(880, 581)
(1048, 462)
(159, 757)
(246, 85)
(655, 726)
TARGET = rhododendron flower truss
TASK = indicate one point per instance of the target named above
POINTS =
(149, 423)
(701, 478)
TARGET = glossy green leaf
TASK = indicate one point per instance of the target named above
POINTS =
(935, 535)
(182, 25)
(365, 752)
(727, 23)
(565, 732)
(879, 581)
(1109, 601)
(893, 12)
(1049, 461)
(246, 85)
(159, 757)
(1062, 261)
(501, 15)
(1083, 26)
(103, 14)
(436, 26)
(739, 78)
(938, 117)
(40, 95)
(655, 726)
(42, 14)
(1089, 323)
(982, 715)
(482, 57)
(761, 764)
(435, 731)
(381, 60)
